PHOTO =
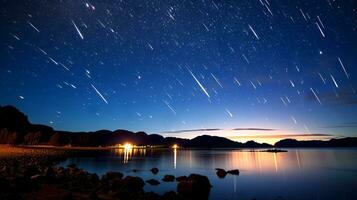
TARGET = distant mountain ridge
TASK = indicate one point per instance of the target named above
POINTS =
(342, 142)
(16, 129)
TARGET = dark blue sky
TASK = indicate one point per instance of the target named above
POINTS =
(169, 65)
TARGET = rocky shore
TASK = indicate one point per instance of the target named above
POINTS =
(27, 173)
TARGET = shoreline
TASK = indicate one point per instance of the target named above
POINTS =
(249, 149)
(114, 147)
(30, 173)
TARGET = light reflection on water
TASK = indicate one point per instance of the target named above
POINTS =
(297, 174)
(128, 153)
(175, 157)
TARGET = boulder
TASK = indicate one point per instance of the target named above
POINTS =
(133, 184)
(151, 196)
(153, 182)
(113, 175)
(168, 178)
(233, 172)
(221, 173)
(196, 187)
(171, 195)
(154, 170)
(181, 178)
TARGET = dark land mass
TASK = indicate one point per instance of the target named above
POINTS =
(16, 129)
(341, 142)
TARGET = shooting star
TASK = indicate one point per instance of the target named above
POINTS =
(101, 96)
(198, 82)
(78, 31)
(317, 98)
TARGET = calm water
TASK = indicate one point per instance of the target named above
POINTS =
(297, 174)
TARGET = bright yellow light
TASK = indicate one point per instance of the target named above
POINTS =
(128, 146)
(175, 146)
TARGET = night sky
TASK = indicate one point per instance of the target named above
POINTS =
(260, 66)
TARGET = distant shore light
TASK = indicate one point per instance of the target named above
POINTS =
(175, 146)
(128, 146)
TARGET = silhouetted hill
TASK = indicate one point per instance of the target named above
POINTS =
(15, 128)
(16, 124)
(212, 141)
(253, 144)
(11, 117)
(207, 141)
(342, 142)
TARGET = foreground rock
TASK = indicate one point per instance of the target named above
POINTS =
(168, 178)
(233, 172)
(153, 182)
(113, 175)
(133, 183)
(181, 178)
(195, 187)
(221, 173)
(154, 170)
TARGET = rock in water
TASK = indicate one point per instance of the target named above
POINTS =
(154, 170)
(153, 182)
(233, 172)
(221, 173)
(196, 187)
(181, 178)
(168, 178)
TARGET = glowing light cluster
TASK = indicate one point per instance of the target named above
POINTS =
(128, 146)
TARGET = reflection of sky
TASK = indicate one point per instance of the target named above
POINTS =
(297, 174)
(246, 161)
(170, 65)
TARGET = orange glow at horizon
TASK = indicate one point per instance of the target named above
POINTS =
(270, 137)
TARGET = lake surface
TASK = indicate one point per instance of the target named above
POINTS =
(296, 174)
